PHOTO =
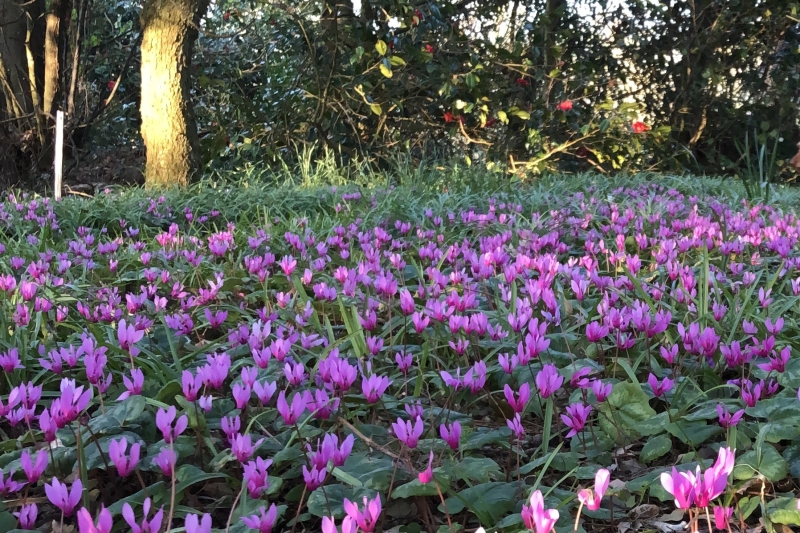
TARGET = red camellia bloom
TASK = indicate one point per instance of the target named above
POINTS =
(639, 127)
(566, 105)
(522, 82)
(449, 116)
(429, 48)
(111, 84)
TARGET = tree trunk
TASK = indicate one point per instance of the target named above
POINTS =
(55, 45)
(15, 84)
(170, 28)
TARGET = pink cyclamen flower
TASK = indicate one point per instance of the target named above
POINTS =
(87, 525)
(576, 417)
(591, 499)
(116, 452)
(536, 517)
(62, 497)
(722, 515)
(368, 518)
(195, 524)
(264, 521)
(147, 526)
(548, 380)
(164, 422)
(34, 468)
(715, 479)
(291, 413)
(451, 434)
(520, 400)
(726, 419)
(660, 388)
(681, 486)
(27, 516)
(348, 525)
(127, 335)
(426, 475)
(407, 432)
(374, 387)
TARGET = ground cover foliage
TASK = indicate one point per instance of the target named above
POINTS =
(401, 358)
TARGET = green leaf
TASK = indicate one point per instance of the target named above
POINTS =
(376, 108)
(381, 47)
(483, 437)
(397, 61)
(116, 416)
(188, 475)
(335, 495)
(772, 466)
(628, 407)
(655, 447)
(478, 469)
(372, 472)
(489, 501)
(693, 433)
(781, 430)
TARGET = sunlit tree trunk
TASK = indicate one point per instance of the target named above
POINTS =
(170, 28)
(55, 44)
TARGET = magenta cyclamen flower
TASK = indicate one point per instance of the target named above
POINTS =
(87, 525)
(426, 475)
(520, 400)
(27, 516)
(575, 419)
(368, 518)
(407, 433)
(164, 422)
(536, 517)
(264, 521)
(726, 419)
(681, 486)
(125, 464)
(348, 525)
(451, 434)
(8, 485)
(62, 497)
(374, 387)
(195, 524)
(256, 476)
(127, 335)
(659, 388)
(242, 447)
(591, 499)
(548, 380)
(33, 468)
(291, 413)
(147, 526)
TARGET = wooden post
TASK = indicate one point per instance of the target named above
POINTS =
(58, 160)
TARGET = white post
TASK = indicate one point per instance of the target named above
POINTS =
(58, 160)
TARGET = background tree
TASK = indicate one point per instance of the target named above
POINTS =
(169, 130)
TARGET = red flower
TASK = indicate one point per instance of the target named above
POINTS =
(582, 151)
(522, 82)
(565, 106)
(449, 116)
(417, 18)
(639, 127)
(429, 48)
(489, 122)
(226, 16)
(111, 85)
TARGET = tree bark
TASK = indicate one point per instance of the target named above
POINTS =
(55, 45)
(169, 130)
